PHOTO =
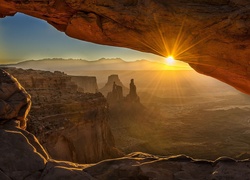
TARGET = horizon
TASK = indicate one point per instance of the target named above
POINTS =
(24, 38)
(99, 64)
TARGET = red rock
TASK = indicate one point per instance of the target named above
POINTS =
(71, 125)
(212, 36)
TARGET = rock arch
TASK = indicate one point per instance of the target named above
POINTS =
(212, 36)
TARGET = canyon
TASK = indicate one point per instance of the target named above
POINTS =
(63, 118)
(62, 133)
(212, 36)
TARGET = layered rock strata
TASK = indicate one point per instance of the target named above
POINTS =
(115, 95)
(109, 86)
(86, 84)
(23, 157)
(71, 125)
(212, 36)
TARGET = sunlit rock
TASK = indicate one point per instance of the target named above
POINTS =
(70, 124)
(14, 100)
(22, 157)
(116, 95)
(86, 84)
(109, 86)
(132, 96)
(212, 36)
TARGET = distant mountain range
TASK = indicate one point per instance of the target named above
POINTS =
(69, 65)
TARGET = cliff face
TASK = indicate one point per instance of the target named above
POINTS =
(22, 157)
(212, 36)
(71, 125)
(86, 84)
(115, 95)
(110, 84)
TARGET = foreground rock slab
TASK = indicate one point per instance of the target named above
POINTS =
(22, 157)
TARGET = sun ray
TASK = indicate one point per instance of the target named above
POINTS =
(178, 38)
(170, 60)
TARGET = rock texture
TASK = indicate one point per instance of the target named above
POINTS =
(14, 100)
(132, 96)
(20, 160)
(109, 86)
(86, 84)
(71, 125)
(212, 36)
(22, 157)
(116, 94)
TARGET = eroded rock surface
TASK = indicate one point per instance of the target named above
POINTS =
(110, 85)
(21, 160)
(212, 36)
(86, 84)
(14, 100)
(22, 157)
(132, 96)
(71, 125)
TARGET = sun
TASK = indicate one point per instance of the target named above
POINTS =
(170, 60)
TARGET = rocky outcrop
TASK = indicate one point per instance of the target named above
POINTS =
(23, 157)
(132, 96)
(86, 84)
(14, 100)
(20, 159)
(70, 125)
(212, 36)
(110, 85)
(116, 94)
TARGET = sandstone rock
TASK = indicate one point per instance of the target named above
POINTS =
(110, 84)
(57, 170)
(86, 84)
(4, 176)
(212, 36)
(116, 94)
(19, 157)
(166, 168)
(14, 100)
(71, 125)
(86, 142)
(132, 96)
(19, 160)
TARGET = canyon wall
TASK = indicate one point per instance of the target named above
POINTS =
(86, 84)
(110, 83)
(23, 157)
(71, 125)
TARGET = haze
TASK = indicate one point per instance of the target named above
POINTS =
(26, 38)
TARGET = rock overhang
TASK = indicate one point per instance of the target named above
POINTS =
(212, 36)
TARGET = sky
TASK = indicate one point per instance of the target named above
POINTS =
(24, 38)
